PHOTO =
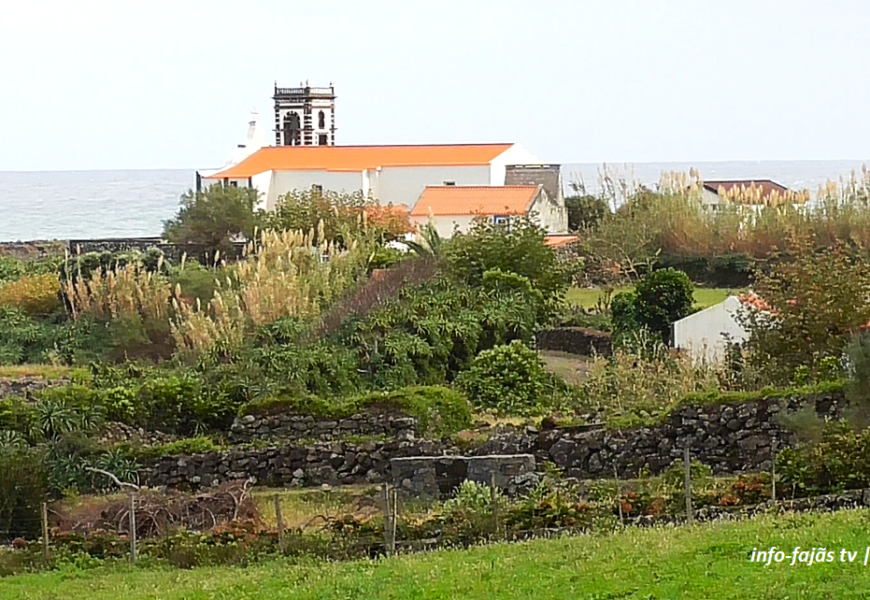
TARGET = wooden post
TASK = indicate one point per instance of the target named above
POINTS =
(132, 527)
(618, 501)
(45, 532)
(394, 519)
(773, 470)
(687, 463)
(493, 499)
(279, 523)
(388, 514)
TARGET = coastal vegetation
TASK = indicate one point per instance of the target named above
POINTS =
(321, 314)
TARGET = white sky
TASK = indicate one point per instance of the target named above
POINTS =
(93, 84)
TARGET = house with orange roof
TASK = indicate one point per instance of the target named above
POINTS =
(391, 174)
(454, 208)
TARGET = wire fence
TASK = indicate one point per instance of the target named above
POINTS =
(396, 513)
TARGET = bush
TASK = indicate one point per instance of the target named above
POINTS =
(518, 248)
(817, 302)
(510, 379)
(213, 218)
(841, 460)
(33, 294)
(439, 411)
(661, 298)
(23, 483)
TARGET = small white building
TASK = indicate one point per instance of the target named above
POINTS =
(703, 335)
(454, 208)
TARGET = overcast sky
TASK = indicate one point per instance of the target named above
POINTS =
(169, 84)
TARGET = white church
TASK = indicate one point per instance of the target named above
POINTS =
(481, 177)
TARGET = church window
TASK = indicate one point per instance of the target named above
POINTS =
(321, 140)
(321, 120)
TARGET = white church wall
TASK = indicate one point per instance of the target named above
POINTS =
(403, 185)
(335, 181)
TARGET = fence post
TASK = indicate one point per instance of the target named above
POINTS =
(493, 500)
(687, 464)
(394, 519)
(45, 531)
(279, 523)
(132, 526)
(773, 470)
(388, 514)
(618, 500)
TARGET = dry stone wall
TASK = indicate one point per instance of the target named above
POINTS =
(26, 386)
(292, 427)
(729, 438)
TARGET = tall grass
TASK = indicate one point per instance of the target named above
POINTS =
(286, 274)
(118, 293)
(673, 221)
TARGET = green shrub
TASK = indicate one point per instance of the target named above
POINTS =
(841, 460)
(510, 379)
(23, 484)
(661, 298)
(439, 411)
(518, 248)
(197, 445)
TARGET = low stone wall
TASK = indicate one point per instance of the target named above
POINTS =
(438, 476)
(729, 438)
(292, 427)
(335, 463)
(575, 340)
(26, 386)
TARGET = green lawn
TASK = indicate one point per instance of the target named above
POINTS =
(705, 562)
(704, 297)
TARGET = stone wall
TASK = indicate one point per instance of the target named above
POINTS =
(291, 427)
(575, 340)
(729, 438)
(334, 463)
(26, 386)
(438, 476)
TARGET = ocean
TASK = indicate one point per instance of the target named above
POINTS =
(59, 205)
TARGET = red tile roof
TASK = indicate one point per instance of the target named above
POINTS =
(554, 241)
(767, 186)
(460, 200)
(359, 158)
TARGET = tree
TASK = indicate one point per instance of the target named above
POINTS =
(339, 213)
(213, 218)
(659, 299)
(584, 210)
(517, 247)
(816, 300)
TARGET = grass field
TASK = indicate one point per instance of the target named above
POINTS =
(704, 297)
(709, 562)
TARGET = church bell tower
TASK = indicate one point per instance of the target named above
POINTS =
(304, 115)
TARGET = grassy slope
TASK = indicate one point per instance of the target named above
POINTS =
(704, 297)
(708, 562)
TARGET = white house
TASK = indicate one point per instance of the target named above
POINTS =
(703, 334)
(391, 174)
(455, 207)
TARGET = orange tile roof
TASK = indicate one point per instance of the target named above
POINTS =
(359, 158)
(554, 241)
(456, 200)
